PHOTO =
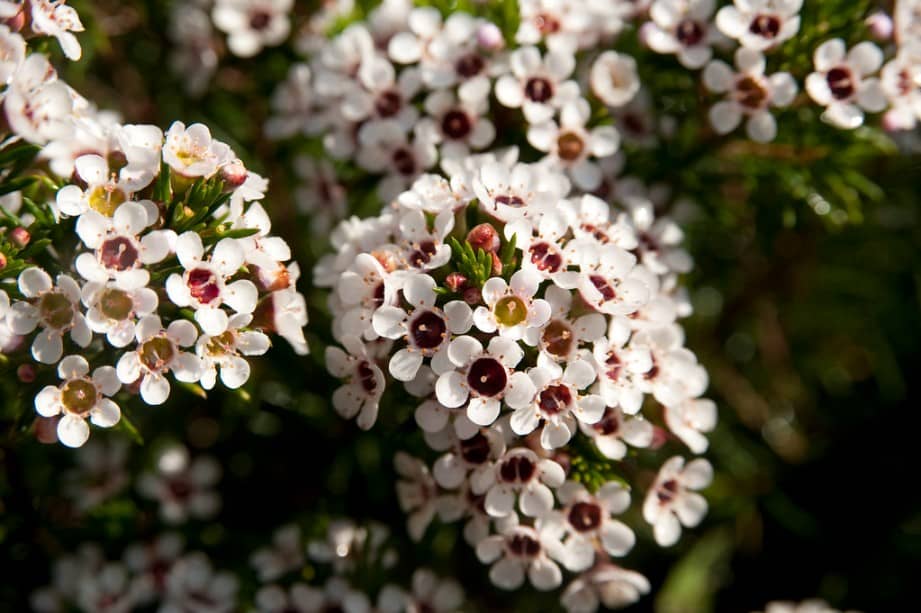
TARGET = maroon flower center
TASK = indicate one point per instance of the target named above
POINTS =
(377, 295)
(603, 286)
(428, 330)
(585, 516)
(554, 399)
(545, 257)
(388, 104)
(365, 375)
(689, 32)
(538, 89)
(469, 65)
(203, 285)
(423, 255)
(475, 450)
(767, 26)
(841, 82)
(613, 366)
(750, 93)
(668, 491)
(118, 253)
(547, 23)
(487, 377)
(517, 469)
(404, 161)
(510, 200)
(597, 233)
(609, 424)
(180, 489)
(259, 20)
(524, 546)
(557, 338)
(456, 124)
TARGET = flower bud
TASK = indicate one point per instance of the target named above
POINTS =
(456, 282)
(233, 174)
(2, 261)
(489, 36)
(880, 25)
(16, 22)
(485, 237)
(473, 295)
(26, 373)
(20, 237)
(46, 429)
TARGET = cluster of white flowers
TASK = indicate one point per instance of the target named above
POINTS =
(813, 605)
(551, 317)
(139, 203)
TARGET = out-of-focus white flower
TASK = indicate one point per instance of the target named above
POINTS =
(842, 82)
(604, 585)
(751, 93)
(54, 18)
(760, 24)
(613, 78)
(538, 85)
(682, 28)
(365, 382)
(192, 579)
(672, 502)
(518, 551)
(182, 486)
(285, 554)
(252, 24)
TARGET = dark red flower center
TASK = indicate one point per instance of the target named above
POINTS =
(554, 399)
(538, 89)
(203, 285)
(118, 253)
(428, 330)
(524, 545)
(767, 26)
(456, 124)
(689, 32)
(487, 377)
(841, 82)
(585, 516)
(517, 469)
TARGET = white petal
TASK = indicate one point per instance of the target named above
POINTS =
(106, 413)
(73, 431)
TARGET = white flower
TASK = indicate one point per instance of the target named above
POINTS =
(12, 53)
(54, 18)
(151, 561)
(204, 285)
(485, 377)
(183, 487)
(471, 457)
(335, 595)
(385, 147)
(607, 585)
(564, 26)
(113, 310)
(378, 93)
(760, 24)
(457, 57)
(614, 431)
(285, 554)
(458, 125)
(79, 397)
(119, 252)
(658, 238)
(510, 191)
(365, 381)
(426, 328)
(907, 17)
(539, 86)
(613, 78)
(585, 523)
(192, 580)
(416, 492)
(285, 312)
(293, 110)
(516, 551)
(225, 350)
(38, 107)
(606, 280)
(157, 352)
(543, 251)
(109, 590)
(841, 82)
(751, 92)
(105, 192)
(900, 79)
(558, 402)
(299, 598)
(53, 308)
(671, 500)
(511, 308)
(425, 249)
(361, 290)
(562, 336)
(252, 24)
(683, 28)
(429, 594)
(570, 144)
(519, 473)
(690, 419)
(191, 152)
(466, 504)
(320, 196)
(675, 374)
(621, 368)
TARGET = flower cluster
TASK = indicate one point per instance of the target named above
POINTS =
(531, 322)
(153, 258)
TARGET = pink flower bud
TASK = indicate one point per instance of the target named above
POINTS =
(489, 36)
(233, 174)
(16, 22)
(880, 25)
(46, 429)
(2, 261)
(456, 282)
(26, 373)
(20, 237)
(473, 295)
(485, 237)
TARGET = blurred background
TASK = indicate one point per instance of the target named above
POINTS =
(806, 294)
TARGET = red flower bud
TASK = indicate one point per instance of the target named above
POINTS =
(20, 237)
(484, 237)
(26, 373)
(233, 174)
(473, 295)
(456, 282)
